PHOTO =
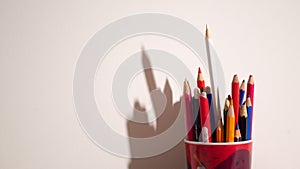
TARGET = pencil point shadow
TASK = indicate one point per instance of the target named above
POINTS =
(173, 158)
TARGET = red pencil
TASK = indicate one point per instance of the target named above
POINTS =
(200, 80)
(236, 96)
(250, 88)
(204, 114)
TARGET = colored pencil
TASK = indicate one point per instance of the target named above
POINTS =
(213, 118)
(243, 120)
(237, 135)
(230, 123)
(219, 132)
(250, 89)
(236, 97)
(195, 109)
(242, 92)
(188, 113)
(200, 80)
(212, 73)
(209, 96)
(226, 106)
(204, 115)
(249, 112)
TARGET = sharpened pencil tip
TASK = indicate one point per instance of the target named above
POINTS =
(251, 80)
(199, 70)
(208, 89)
(235, 78)
(248, 101)
(207, 33)
(229, 98)
(187, 88)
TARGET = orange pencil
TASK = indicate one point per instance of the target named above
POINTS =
(236, 96)
(219, 132)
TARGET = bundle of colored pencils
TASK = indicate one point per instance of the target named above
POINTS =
(203, 113)
(206, 125)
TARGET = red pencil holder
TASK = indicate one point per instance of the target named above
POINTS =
(218, 155)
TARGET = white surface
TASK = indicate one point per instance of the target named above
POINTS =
(41, 41)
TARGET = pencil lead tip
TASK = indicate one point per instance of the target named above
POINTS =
(199, 70)
(251, 80)
(229, 97)
(235, 78)
(207, 33)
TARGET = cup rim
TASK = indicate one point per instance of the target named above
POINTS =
(220, 144)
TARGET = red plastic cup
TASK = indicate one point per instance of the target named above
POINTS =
(218, 155)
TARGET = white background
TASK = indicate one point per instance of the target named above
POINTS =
(41, 41)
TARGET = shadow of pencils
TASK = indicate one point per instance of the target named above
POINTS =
(173, 158)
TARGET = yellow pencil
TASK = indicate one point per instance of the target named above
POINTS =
(230, 122)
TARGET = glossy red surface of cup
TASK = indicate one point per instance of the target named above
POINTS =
(219, 155)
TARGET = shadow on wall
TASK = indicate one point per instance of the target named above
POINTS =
(175, 157)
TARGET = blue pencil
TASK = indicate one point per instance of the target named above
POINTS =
(213, 120)
(242, 92)
(249, 123)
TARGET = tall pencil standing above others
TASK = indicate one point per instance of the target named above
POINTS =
(212, 62)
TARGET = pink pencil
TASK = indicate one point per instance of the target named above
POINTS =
(188, 112)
